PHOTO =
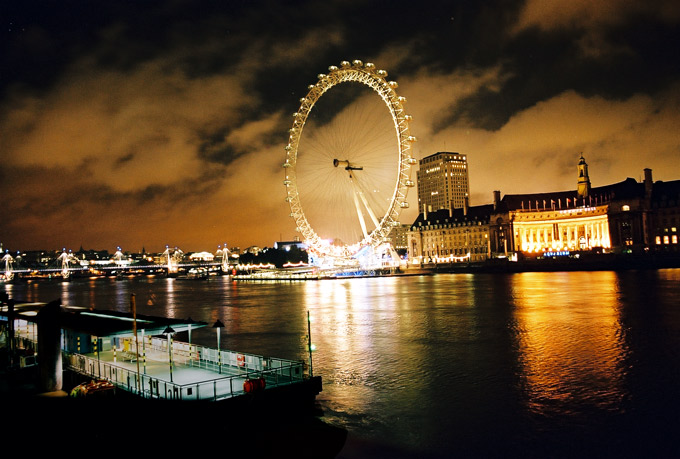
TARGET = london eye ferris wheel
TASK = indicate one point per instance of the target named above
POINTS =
(348, 176)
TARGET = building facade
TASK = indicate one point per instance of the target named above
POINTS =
(616, 217)
(442, 181)
(469, 234)
(664, 218)
(398, 237)
(624, 217)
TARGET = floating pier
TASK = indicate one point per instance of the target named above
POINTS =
(138, 355)
(144, 391)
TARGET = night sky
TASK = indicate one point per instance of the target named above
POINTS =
(143, 123)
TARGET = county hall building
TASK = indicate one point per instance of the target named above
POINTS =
(628, 216)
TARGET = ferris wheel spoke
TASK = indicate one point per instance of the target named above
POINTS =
(370, 212)
(360, 214)
(358, 190)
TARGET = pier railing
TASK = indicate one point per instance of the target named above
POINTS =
(204, 376)
(213, 359)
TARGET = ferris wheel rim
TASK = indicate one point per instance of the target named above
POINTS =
(376, 80)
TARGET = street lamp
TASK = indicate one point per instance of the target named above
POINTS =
(189, 322)
(218, 326)
(168, 332)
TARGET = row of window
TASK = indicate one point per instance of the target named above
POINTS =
(456, 252)
(448, 225)
(667, 240)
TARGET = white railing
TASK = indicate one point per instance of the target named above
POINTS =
(240, 367)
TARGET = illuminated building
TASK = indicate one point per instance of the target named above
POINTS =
(398, 236)
(253, 249)
(556, 228)
(442, 181)
(288, 245)
(202, 256)
(628, 216)
(664, 218)
(454, 235)
(624, 217)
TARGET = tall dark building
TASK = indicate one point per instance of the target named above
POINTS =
(443, 181)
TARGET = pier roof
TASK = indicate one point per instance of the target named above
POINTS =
(98, 322)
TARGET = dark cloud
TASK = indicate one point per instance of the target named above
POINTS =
(215, 150)
(171, 117)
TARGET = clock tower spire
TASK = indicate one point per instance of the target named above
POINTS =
(583, 187)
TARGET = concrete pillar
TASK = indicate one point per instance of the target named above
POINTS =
(569, 237)
(10, 337)
(49, 347)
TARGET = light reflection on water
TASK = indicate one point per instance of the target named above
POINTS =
(436, 363)
(572, 349)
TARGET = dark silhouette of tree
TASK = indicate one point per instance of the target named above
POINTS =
(277, 257)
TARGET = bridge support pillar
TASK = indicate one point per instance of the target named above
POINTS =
(49, 347)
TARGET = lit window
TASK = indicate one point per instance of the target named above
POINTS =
(674, 239)
(665, 239)
(625, 208)
(658, 240)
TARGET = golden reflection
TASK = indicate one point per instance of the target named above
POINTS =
(228, 313)
(170, 295)
(349, 319)
(671, 274)
(65, 294)
(571, 344)
(92, 294)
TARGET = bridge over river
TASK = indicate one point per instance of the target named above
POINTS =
(67, 265)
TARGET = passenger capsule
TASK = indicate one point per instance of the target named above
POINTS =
(393, 84)
(401, 99)
(344, 64)
(412, 138)
(310, 87)
(357, 63)
(408, 117)
(332, 68)
(382, 73)
(370, 65)
(321, 76)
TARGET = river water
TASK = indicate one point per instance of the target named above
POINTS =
(559, 364)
